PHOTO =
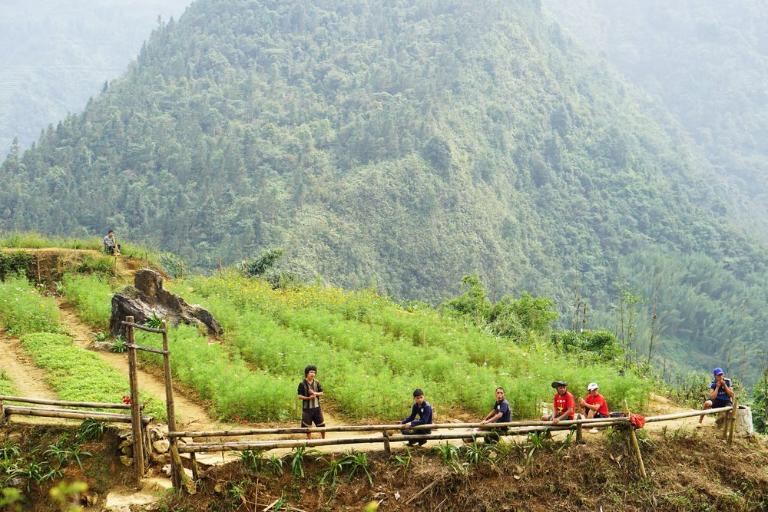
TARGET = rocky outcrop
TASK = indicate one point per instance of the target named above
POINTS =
(147, 297)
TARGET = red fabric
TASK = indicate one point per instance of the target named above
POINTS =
(637, 421)
(564, 402)
(598, 399)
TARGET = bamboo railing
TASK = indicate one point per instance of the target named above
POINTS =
(483, 430)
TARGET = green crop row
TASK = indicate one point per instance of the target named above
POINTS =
(372, 353)
(23, 310)
(234, 390)
(92, 297)
(78, 374)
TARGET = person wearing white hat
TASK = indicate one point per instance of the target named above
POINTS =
(595, 405)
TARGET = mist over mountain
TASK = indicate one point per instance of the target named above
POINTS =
(706, 64)
(402, 145)
(59, 53)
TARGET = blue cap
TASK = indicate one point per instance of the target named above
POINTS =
(717, 371)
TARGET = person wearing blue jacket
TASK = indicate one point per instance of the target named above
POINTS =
(423, 410)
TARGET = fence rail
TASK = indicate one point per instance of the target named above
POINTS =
(483, 430)
(62, 403)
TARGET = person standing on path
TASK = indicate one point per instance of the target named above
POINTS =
(309, 393)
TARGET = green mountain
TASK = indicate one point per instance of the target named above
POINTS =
(60, 53)
(400, 144)
(705, 65)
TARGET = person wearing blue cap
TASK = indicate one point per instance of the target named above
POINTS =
(720, 392)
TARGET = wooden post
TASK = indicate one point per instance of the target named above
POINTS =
(387, 448)
(732, 424)
(138, 449)
(195, 469)
(579, 432)
(2, 414)
(171, 411)
(635, 444)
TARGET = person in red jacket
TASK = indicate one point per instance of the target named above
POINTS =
(595, 405)
(564, 403)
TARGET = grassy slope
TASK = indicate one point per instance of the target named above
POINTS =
(73, 372)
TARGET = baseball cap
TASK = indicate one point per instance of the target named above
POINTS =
(591, 386)
(559, 383)
(717, 371)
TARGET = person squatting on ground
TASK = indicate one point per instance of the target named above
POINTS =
(720, 392)
(500, 413)
(595, 405)
(310, 392)
(110, 244)
(564, 403)
(423, 410)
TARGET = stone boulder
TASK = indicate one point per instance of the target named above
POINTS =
(147, 297)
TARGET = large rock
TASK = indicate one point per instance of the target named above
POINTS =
(147, 297)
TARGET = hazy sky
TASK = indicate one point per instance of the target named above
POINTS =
(58, 53)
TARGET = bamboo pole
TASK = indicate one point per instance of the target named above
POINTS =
(293, 443)
(433, 426)
(67, 414)
(732, 424)
(636, 445)
(138, 450)
(176, 467)
(396, 426)
(63, 403)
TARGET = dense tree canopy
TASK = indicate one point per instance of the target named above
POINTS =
(401, 144)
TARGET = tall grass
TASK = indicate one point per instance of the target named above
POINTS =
(78, 374)
(23, 310)
(92, 297)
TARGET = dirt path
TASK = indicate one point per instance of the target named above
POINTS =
(27, 379)
(189, 413)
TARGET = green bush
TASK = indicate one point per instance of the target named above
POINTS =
(6, 386)
(23, 310)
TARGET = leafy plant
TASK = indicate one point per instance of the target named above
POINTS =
(252, 459)
(275, 464)
(90, 430)
(119, 346)
(335, 467)
(67, 495)
(403, 460)
(448, 453)
(359, 462)
(154, 321)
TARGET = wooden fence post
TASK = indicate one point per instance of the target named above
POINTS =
(635, 443)
(387, 448)
(732, 424)
(170, 408)
(2, 414)
(137, 427)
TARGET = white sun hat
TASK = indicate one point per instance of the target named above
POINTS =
(591, 386)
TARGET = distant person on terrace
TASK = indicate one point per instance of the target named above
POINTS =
(564, 403)
(310, 392)
(720, 392)
(423, 410)
(110, 244)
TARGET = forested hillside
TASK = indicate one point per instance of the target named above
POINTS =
(60, 52)
(703, 62)
(394, 144)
